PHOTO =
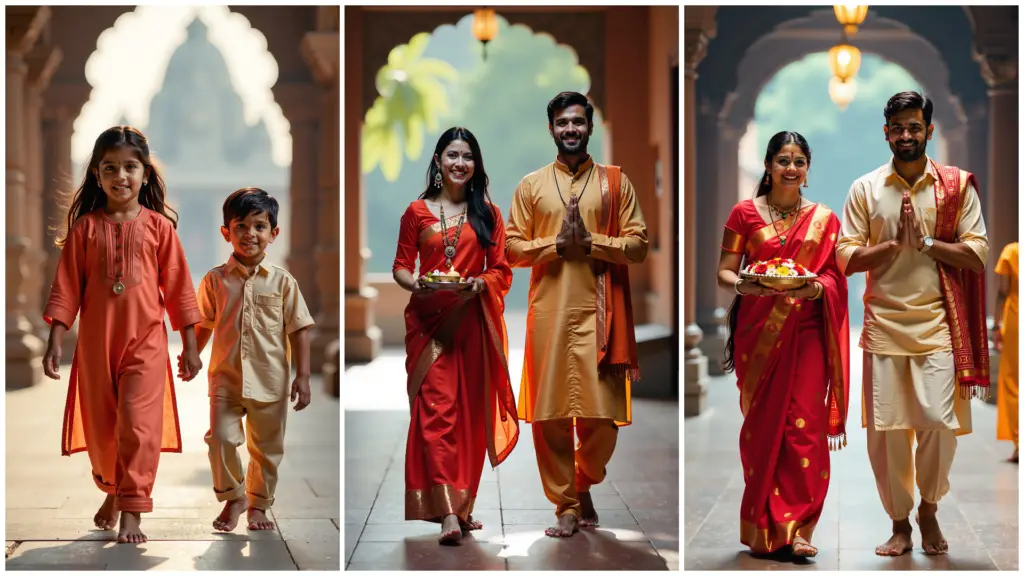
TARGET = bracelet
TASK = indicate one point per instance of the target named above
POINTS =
(820, 292)
(736, 287)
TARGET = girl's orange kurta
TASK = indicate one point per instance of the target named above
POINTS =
(120, 335)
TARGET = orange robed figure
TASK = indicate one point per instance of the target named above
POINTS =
(577, 225)
(121, 267)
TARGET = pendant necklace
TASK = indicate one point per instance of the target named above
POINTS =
(562, 198)
(449, 248)
(783, 214)
(118, 285)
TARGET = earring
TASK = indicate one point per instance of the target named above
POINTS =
(805, 183)
(437, 178)
(767, 179)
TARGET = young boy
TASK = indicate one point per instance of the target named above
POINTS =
(256, 315)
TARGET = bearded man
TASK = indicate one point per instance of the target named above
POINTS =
(577, 225)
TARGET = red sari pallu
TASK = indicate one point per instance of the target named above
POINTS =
(963, 291)
(460, 395)
(793, 372)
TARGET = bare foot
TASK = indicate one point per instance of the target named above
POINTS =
(567, 526)
(228, 518)
(470, 524)
(106, 516)
(588, 516)
(803, 548)
(900, 543)
(258, 520)
(131, 529)
(931, 537)
(451, 532)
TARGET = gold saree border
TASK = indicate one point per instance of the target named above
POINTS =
(492, 398)
(780, 312)
(768, 540)
(438, 502)
(769, 231)
(732, 241)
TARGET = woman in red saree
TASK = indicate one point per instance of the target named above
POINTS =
(789, 351)
(460, 395)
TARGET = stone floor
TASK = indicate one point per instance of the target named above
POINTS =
(51, 499)
(979, 517)
(638, 503)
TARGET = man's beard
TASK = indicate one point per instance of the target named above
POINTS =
(910, 155)
(580, 147)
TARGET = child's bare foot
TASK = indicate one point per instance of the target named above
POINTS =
(588, 516)
(258, 520)
(106, 516)
(228, 518)
(131, 529)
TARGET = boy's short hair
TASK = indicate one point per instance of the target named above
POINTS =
(245, 201)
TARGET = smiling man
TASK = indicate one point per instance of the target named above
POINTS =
(916, 228)
(577, 225)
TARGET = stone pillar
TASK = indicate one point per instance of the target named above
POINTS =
(62, 104)
(362, 336)
(1000, 73)
(699, 29)
(299, 104)
(42, 62)
(321, 52)
(709, 235)
(24, 349)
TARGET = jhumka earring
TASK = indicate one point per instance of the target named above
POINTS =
(805, 183)
(437, 178)
(767, 179)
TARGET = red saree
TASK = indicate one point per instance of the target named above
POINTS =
(792, 366)
(460, 394)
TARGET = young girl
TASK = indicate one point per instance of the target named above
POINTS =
(121, 265)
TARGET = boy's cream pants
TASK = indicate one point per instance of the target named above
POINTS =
(264, 437)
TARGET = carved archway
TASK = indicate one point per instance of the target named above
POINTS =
(818, 32)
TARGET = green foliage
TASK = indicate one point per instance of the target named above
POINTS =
(413, 98)
(503, 101)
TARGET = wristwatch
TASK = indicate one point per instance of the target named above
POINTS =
(927, 244)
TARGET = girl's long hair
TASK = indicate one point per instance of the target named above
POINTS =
(478, 211)
(90, 196)
(764, 186)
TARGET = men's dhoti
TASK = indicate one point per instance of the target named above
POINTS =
(908, 398)
(565, 469)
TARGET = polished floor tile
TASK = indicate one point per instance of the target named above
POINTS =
(638, 503)
(979, 516)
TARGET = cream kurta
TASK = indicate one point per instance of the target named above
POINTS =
(561, 337)
(251, 318)
(904, 314)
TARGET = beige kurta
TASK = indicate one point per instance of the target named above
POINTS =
(904, 313)
(560, 372)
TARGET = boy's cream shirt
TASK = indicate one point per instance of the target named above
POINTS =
(251, 318)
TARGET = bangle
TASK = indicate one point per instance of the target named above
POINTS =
(819, 293)
(736, 287)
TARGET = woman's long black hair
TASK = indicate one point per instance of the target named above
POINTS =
(764, 186)
(478, 211)
(89, 196)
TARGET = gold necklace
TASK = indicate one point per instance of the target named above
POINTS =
(784, 214)
(449, 248)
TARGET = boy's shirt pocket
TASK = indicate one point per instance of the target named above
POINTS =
(269, 310)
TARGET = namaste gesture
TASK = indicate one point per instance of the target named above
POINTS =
(574, 233)
(909, 230)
